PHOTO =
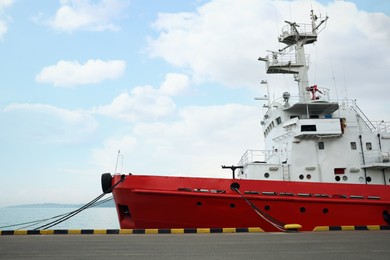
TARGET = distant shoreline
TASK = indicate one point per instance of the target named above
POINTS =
(108, 204)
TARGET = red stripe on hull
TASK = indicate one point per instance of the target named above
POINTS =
(182, 202)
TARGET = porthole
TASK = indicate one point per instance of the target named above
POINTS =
(199, 204)
(308, 176)
(368, 179)
(301, 176)
(337, 178)
(325, 211)
(361, 179)
(267, 207)
(232, 205)
(302, 209)
(345, 178)
(266, 175)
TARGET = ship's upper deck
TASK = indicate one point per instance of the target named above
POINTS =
(316, 108)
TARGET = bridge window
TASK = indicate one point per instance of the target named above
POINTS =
(328, 115)
(308, 128)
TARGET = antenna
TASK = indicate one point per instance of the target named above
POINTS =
(117, 159)
(266, 97)
(345, 83)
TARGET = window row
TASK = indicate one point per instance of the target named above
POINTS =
(321, 146)
(272, 125)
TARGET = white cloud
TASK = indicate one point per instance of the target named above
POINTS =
(105, 158)
(222, 40)
(87, 15)
(48, 123)
(145, 103)
(3, 29)
(4, 19)
(175, 84)
(72, 73)
(5, 3)
(162, 138)
(196, 143)
(352, 58)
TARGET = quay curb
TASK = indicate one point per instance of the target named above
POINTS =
(177, 230)
(131, 231)
(350, 228)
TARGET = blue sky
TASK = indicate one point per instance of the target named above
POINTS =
(171, 84)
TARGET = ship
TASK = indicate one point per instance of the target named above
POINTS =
(325, 164)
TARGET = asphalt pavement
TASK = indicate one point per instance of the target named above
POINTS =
(302, 245)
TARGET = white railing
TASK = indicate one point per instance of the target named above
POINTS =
(302, 28)
(373, 156)
(325, 96)
(374, 126)
(382, 126)
(283, 59)
(251, 156)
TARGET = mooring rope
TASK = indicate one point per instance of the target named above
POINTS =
(62, 217)
(36, 222)
(71, 214)
(274, 222)
(77, 211)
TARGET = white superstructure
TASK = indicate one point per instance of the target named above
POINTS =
(311, 138)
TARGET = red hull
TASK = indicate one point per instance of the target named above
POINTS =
(182, 202)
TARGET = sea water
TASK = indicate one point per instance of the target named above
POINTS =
(91, 218)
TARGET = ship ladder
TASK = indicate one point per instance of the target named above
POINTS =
(286, 172)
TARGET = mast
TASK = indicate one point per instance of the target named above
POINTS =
(296, 63)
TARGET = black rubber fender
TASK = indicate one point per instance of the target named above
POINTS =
(386, 216)
(106, 182)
